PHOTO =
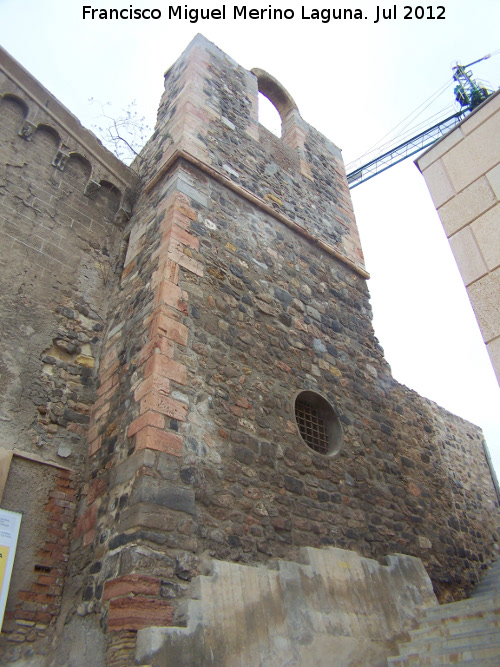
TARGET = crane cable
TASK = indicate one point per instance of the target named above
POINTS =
(378, 146)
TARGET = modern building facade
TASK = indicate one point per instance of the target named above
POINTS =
(462, 172)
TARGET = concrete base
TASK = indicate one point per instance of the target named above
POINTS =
(334, 605)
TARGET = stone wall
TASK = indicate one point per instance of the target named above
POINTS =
(176, 344)
(227, 309)
(62, 199)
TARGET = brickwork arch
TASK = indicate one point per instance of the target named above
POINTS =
(35, 125)
(14, 101)
(292, 131)
(79, 167)
(275, 93)
(109, 195)
(42, 129)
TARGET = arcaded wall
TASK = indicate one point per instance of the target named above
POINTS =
(60, 232)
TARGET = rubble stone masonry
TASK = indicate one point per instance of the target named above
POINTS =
(176, 343)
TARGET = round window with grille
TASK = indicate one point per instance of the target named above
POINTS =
(318, 424)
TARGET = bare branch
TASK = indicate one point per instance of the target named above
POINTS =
(125, 134)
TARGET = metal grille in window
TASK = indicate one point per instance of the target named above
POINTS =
(312, 427)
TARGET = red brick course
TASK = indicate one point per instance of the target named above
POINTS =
(184, 237)
(138, 612)
(41, 604)
(171, 294)
(96, 489)
(95, 446)
(158, 345)
(167, 270)
(165, 324)
(86, 521)
(153, 382)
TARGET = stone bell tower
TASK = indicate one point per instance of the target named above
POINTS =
(245, 407)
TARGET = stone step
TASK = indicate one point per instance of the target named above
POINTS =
(488, 590)
(459, 642)
(485, 662)
(480, 656)
(454, 626)
(461, 633)
(464, 608)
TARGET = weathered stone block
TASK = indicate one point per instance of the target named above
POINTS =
(466, 206)
(127, 469)
(86, 521)
(468, 255)
(486, 230)
(486, 304)
(165, 405)
(154, 382)
(166, 326)
(132, 584)
(159, 492)
(439, 183)
(146, 515)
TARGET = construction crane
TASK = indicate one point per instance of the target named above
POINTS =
(468, 93)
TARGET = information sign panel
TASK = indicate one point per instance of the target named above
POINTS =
(9, 532)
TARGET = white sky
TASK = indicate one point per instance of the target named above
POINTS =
(352, 80)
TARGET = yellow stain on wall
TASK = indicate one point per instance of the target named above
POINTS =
(4, 554)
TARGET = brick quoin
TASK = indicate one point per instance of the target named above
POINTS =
(182, 206)
(96, 489)
(166, 367)
(86, 521)
(165, 405)
(154, 382)
(166, 324)
(95, 446)
(184, 237)
(169, 293)
(167, 270)
(147, 419)
(158, 345)
(163, 441)
(177, 254)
